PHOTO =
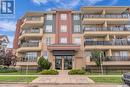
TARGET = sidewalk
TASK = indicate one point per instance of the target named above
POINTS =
(63, 78)
(44, 85)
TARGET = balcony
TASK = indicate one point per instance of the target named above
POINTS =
(116, 42)
(31, 33)
(113, 60)
(117, 58)
(115, 45)
(31, 46)
(109, 18)
(25, 59)
(33, 21)
(98, 43)
(106, 16)
(107, 31)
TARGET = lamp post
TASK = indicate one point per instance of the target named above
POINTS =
(27, 69)
(101, 63)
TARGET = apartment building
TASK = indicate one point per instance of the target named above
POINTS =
(68, 37)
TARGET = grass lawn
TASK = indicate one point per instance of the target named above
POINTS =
(17, 78)
(106, 79)
(30, 72)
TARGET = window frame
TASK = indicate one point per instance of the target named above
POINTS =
(48, 28)
(76, 17)
(77, 28)
(49, 17)
(63, 16)
(63, 28)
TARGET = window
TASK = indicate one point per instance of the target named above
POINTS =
(48, 40)
(48, 28)
(76, 17)
(49, 17)
(76, 28)
(63, 16)
(31, 56)
(63, 40)
(77, 40)
(45, 54)
(63, 28)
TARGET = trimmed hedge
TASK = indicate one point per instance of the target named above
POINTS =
(4, 69)
(49, 72)
(77, 72)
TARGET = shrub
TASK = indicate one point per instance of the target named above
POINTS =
(49, 72)
(7, 70)
(77, 72)
(43, 63)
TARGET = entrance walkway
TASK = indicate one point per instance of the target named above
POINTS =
(63, 78)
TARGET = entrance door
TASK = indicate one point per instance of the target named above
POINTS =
(58, 62)
(67, 62)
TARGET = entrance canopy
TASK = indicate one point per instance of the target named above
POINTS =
(64, 47)
(63, 53)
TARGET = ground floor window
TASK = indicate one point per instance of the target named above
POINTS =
(31, 56)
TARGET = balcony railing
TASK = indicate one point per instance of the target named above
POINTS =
(25, 59)
(30, 44)
(117, 58)
(115, 42)
(33, 19)
(106, 16)
(114, 58)
(30, 31)
(108, 29)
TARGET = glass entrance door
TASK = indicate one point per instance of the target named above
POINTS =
(67, 62)
(58, 62)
